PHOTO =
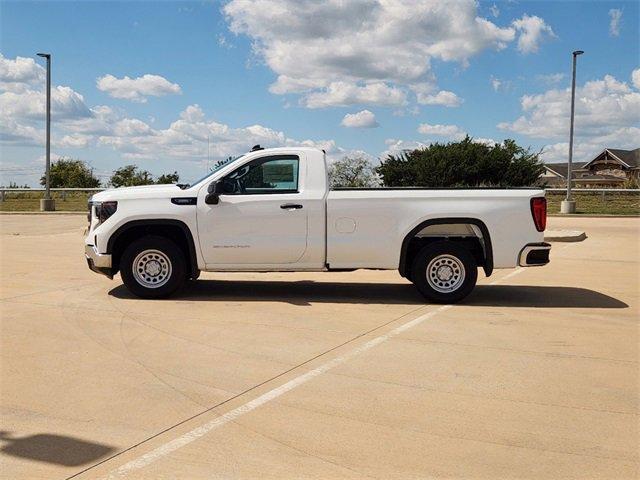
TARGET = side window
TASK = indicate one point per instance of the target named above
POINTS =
(276, 174)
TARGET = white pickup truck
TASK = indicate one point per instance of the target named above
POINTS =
(273, 210)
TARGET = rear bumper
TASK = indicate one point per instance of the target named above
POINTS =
(98, 262)
(534, 254)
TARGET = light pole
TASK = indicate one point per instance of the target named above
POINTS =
(47, 203)
(569, 205)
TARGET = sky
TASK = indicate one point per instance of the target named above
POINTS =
(176, 86)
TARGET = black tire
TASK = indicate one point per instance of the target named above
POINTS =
(166, 262)
(456, 261)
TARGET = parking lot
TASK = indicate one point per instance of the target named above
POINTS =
(333, 375)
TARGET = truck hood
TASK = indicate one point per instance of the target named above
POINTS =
(142, 191)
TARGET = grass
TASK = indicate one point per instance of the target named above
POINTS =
(614, 203)
(610, 203)
(30, 201)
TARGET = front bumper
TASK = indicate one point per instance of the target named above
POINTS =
(534, 254)
(98, 262)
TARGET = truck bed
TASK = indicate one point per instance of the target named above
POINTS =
(366, 226)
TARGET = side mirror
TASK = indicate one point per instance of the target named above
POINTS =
(214, 189)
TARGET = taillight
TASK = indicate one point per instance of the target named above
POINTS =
(539, 213)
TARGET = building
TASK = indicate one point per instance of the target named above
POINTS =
(610, 168)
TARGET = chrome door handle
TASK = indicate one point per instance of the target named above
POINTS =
(290, 206)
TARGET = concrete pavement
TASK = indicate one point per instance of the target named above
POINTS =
(340, 375)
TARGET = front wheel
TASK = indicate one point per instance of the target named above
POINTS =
(444, 272)
(153, 267)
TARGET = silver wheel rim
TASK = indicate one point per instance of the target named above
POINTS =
(445, 273)
(151, 268)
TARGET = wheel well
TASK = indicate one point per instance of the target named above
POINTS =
(471, 233)
(175, 230)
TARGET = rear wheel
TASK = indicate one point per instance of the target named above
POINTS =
(444, 272)
(153, 267)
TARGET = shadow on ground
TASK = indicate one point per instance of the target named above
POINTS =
(307, 292)
(537, 296)
(56, 449)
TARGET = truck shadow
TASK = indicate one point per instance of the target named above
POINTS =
(539, 296)
(307, 292)
(55, 449)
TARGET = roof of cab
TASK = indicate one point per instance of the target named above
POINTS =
(287, 149)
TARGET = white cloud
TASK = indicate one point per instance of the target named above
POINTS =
(16, 133)
(615, 16)
(607, 115)
(76, 140)
(500, 85)
(551, 78)
(402, 112)
(451, 131)
(485, 141)
(495, 11)
(313, 45)
(635, 78)
(77, 126)
(533, 30)
(443, 97)
(223, 42)
(65, 104)
(585, 148)
(192, 137)
(362, 119)
(19, 74)
(601, 105)
(395, 146)
(137, 89)
(344, 94)
(22, 102)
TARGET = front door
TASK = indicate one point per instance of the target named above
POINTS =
(260, 218)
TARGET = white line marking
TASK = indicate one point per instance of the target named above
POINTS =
(251, 405)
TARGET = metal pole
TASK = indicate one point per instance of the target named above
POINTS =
(48, 204)
(48, 168)
(569, 206)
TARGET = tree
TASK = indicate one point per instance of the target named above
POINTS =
(168, 178)
(69, 173)
(354, 171)
(130, 176)
(15, 185)
(463, 164)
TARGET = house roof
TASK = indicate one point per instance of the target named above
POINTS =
(560, 169)
(629, 158)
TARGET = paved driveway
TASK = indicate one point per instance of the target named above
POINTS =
(341, 375)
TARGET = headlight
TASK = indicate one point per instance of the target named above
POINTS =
(104, 210)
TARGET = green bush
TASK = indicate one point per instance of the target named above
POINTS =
(69, 173)
(463, 164)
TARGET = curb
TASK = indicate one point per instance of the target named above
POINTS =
(43, 213)
(587, 215)
(564, 236)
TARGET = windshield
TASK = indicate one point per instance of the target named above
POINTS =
(217, 166)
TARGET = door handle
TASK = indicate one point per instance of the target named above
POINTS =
(290, 206)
